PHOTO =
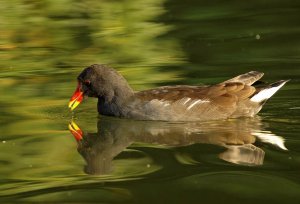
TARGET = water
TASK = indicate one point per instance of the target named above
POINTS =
(44, 46)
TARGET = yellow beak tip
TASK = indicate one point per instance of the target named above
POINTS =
(73, 104)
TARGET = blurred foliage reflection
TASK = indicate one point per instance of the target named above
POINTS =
(45, 44)
(50, 36)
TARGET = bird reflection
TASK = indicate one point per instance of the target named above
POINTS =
(114, 135)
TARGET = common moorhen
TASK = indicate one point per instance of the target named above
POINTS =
(236, 97)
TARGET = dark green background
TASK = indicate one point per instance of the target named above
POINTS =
(45, 44)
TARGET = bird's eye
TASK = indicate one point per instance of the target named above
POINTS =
(87, 82)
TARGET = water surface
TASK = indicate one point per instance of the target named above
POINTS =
(45, 45)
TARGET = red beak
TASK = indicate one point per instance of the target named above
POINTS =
(76, 98)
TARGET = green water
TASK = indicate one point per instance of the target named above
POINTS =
(45, 44)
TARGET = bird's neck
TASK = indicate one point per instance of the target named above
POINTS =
(113, 102)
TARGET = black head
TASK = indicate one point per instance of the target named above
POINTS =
(99, 81)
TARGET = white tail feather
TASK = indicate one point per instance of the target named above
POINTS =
(266, 93)
(268, 137)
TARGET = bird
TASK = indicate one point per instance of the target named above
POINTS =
(241, 96)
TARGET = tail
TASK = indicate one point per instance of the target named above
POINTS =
(247, 78)
(265, 93)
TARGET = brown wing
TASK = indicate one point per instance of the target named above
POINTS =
(239, 86)
(209, 102)
(225, 93)
(247, 78)
(173, 93)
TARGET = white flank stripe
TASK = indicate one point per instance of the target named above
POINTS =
(198, 101)
(265, 94)
(187, 100)
(190, 106)
(166, 104)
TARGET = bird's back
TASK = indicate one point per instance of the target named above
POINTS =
(236, 97)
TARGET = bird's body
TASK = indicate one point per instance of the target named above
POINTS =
(234, 98)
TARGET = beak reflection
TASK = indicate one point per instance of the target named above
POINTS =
(75, 130)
